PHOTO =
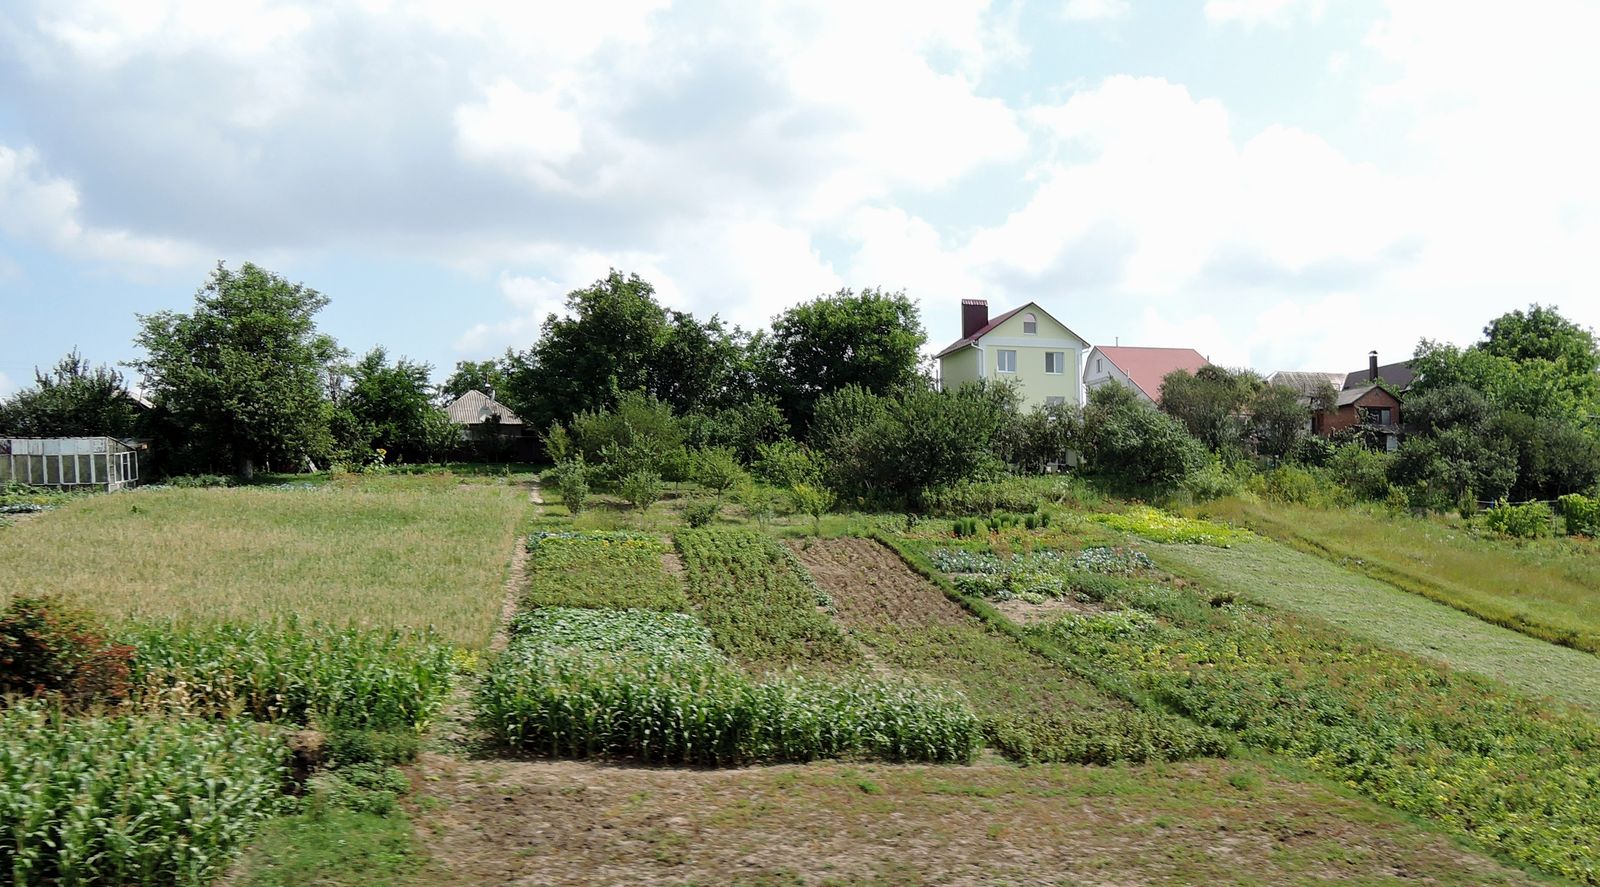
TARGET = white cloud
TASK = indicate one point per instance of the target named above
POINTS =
(1093, 10)
(41, 207)
(532, 132)
(1251, 13)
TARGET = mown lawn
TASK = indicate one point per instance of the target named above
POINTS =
(1291, 580)
(1548, 589)
(400, 551)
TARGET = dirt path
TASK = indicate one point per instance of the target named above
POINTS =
(550, 823)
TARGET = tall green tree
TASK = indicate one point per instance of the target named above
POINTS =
(487, 376)
(74, 399)
(871, 339)
(389, 406)
(242, 378)
(1211, 402)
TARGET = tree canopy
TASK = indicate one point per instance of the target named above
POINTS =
(74, 399)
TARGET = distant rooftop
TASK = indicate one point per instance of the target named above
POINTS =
(1147, 366)
(475, 408)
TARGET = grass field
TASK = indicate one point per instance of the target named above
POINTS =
(386, 551)
(1549, 589)
(1287, 579)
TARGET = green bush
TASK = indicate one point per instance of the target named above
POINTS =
(131, 800)
(701, 513)
(1363, 471)
(718, 470)
(1530, 520)
(191, 481)
(641, 488)
(291, 673)
(1293, 485)
(813, 500)
(571, 479)
(1582, 514)
(785, 463)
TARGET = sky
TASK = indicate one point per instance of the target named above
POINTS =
(1280, 184)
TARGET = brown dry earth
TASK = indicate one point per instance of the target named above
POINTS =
(522, 823)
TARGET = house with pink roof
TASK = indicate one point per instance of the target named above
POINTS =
(1140, 369)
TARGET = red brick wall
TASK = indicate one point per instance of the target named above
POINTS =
(1348, 416)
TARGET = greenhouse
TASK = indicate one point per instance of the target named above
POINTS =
(70, 463)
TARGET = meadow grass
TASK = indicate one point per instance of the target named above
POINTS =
(1549, 589)
(381, 552)
(1281, 577)
(600, 569)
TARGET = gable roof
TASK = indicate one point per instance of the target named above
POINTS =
(1400, 375)
(475, 407)
(988, 328)
(1305, 384)
(1353, 395)
(1146, 366)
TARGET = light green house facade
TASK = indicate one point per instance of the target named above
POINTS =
(1025, 345)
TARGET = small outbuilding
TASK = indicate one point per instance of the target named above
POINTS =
(489, 430)
(71, 463)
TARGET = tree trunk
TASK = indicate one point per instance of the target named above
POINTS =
(247, 467)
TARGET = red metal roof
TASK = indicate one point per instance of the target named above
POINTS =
(1146, 366)
(980, 333)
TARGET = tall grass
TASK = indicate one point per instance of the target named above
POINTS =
(758, 602)
(600, 569)
(1545, 589)
(130, 800)
(296, 673)
(385, 552)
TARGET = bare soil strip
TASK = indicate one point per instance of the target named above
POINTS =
(557, 823)
(872, 588)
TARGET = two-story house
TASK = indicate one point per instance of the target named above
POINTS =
(1024, 345)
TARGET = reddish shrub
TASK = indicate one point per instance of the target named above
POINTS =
(47, 649)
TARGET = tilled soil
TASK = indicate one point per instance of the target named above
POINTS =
(550, 823)
(871, 586)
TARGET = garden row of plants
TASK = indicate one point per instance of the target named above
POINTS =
(596, 677)
(1516, 775)
(150, 754)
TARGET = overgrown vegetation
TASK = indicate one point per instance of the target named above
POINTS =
(600, 569)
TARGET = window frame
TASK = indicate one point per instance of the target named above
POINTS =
(1030, 320)
(1060, 358)
(999, 361)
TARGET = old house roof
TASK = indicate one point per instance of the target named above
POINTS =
(1352, 395)
(1397, 375)
(1147, 366)
(1303, 383)
(475, 407)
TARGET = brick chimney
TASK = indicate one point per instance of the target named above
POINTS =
(974, 316)
(1372, 366)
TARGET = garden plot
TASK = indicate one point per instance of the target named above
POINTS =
(1032, 708)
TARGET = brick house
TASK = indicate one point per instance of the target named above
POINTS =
(1368, 403)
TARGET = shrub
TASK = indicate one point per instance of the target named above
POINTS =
(360, 788)
(46, 649)
(718, 470)
(1361, 470)
(701, 513)
(1212, 480)
(785, 463)
(1531, 520)
(190, 481)
(812, 500)
(131, 800)
(572, 483)
(1133, 444)
(1582, 514)
(1293, 485)
(289, 673)
(641, 488)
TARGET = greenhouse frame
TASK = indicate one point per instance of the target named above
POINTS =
(70, 463)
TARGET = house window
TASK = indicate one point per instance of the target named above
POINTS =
(1006, 361)
(1030, 324)
(1054, 401)
(1055, 362)
(1377, 415)
(1099, 365)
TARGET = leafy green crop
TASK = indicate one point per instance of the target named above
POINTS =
(759, 602)
(1160, 526)
(130, 800)
(292, 673)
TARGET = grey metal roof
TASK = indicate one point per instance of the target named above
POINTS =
(1305, 383)
(475, 407)
(1397, 375)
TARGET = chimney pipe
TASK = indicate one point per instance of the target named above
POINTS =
(1372, 366)
(974, 316)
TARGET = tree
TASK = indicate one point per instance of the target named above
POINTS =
(1210, 403)
(1278, 419)
(1541, 333)
(487, 376)
(389, 407)
(241, 378)
(1127, 441)
(871, 339)
(73, 400)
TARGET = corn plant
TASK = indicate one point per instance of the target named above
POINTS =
(293, 673)
(130, 800)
